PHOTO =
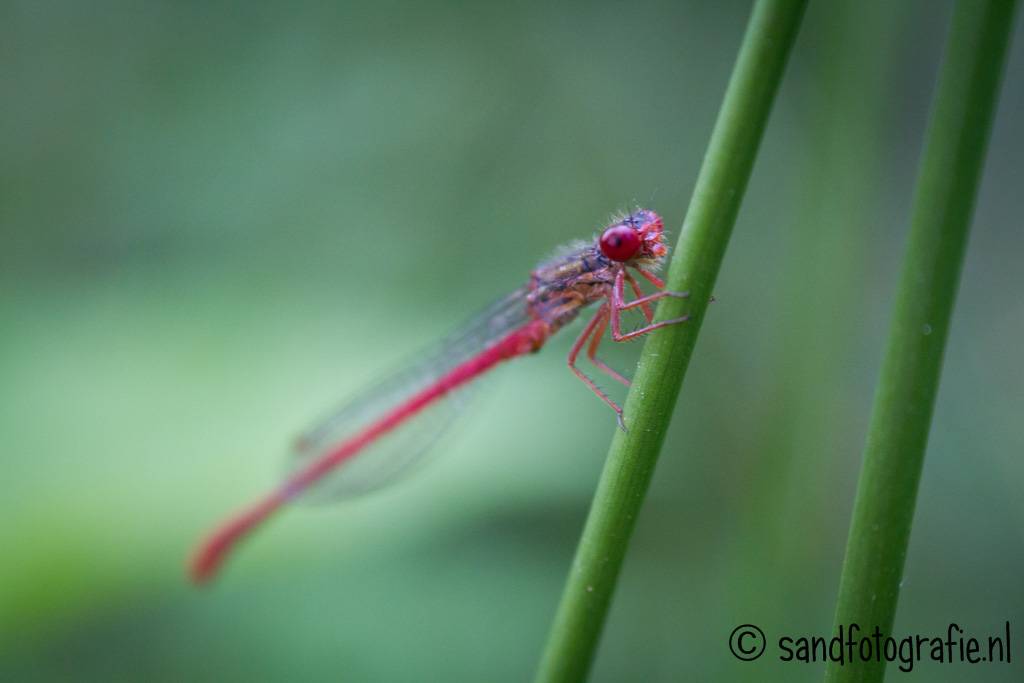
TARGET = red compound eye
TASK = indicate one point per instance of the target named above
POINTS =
(620, 243)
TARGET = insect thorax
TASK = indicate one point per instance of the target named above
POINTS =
(562, 287)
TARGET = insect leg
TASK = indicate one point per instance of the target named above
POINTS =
(596, 321)
(595, 341)
(618, 305)
(638, 293)
(652, 278)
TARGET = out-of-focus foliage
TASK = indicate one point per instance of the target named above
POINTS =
(217, 220)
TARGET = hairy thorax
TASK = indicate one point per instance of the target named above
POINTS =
(563, 286)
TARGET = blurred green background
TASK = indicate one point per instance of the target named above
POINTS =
(219, 219)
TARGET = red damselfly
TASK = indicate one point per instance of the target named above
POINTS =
(376, 426)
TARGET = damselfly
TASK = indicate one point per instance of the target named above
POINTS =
(376, 426)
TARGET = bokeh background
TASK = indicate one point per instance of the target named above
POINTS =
(218, 219)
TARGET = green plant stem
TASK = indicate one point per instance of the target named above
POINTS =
(695, 263)
(944, 199)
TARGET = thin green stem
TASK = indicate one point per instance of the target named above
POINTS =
(695, 263)
(944, 199)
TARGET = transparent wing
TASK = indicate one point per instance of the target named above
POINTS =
(396, 452)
